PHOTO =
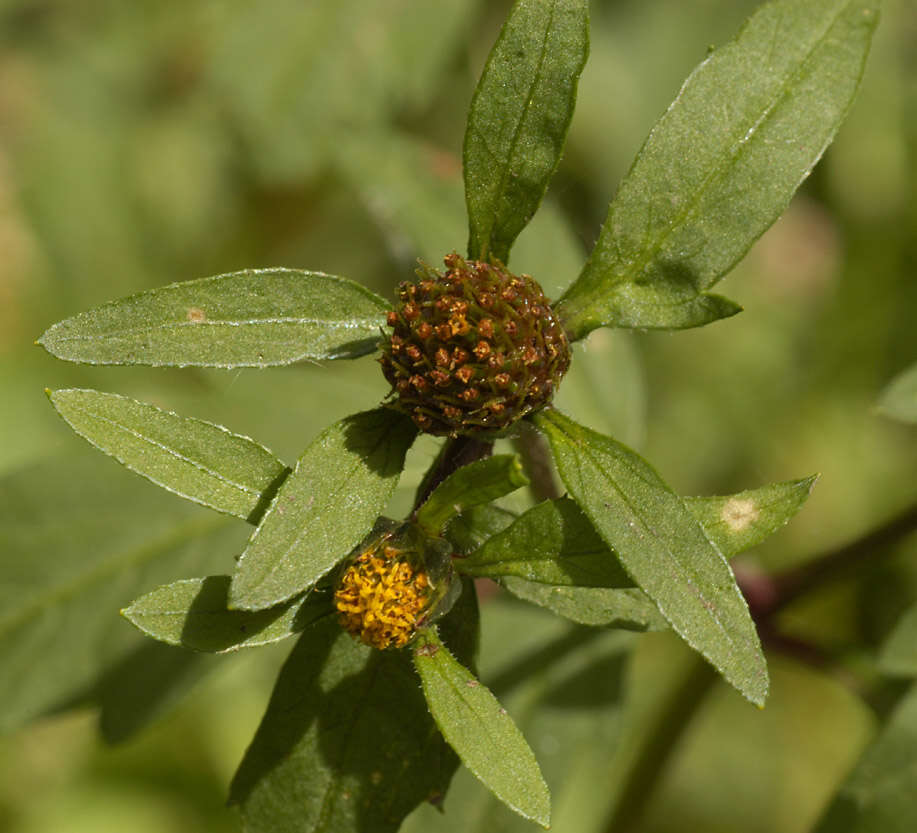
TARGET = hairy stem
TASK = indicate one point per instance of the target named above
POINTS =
(455, 453)
(536, 462)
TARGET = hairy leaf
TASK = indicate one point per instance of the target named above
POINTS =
(551, 543)
(193, 613)
(479, 482)
(519, 117)
(480, 730)
(255, 318)
(662, 546)
(194, 459)
(78, 540)
(721, 165)
(628, 608)
(339, 487)
(346, 743)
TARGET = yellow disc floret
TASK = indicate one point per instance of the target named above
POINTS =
(381, 598)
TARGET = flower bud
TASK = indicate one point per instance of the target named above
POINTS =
(398, 580)
(473, 349)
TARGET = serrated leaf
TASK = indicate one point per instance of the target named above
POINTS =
(78, 540)
(519, 117)
(479, 482)
(663, 548)
(898, 656)
(339, 487)
(899, 399)
(721, 165)
(346, 743)
(741, 521)
(551, 543)
(254, 318)
(881, 792)
(194, 459)
(193, 613)
(628, 608)
(480, 730)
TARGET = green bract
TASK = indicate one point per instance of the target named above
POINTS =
(348, 741)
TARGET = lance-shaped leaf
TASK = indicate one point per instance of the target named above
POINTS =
(519, 118)
(738, 522)
(193, 613)
(346, 743)
(662, 546)
(628, 608)
(721, 165)
(194, 459)
(339, 487)
(479, 729)
(479, 482)
(899, 399)
(552, 543)
(255, 318)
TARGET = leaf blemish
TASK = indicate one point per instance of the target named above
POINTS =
(196, 315)
(739, 513)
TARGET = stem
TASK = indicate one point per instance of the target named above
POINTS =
(536, 463)
(657, 744)
(455, 453)
(793, 583)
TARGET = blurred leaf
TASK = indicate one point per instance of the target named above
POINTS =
(193, 613)
(480, 730)
(628, 608)
(739, 522)
(721, 165)
(295, 79)
(663, 548)
(194, 459)
(346, 744)
(339, 487)
(519, 117)
(78, 541)
(881, 792)
(479, 482)
(898, 656)
(145, 685)
(254, 318)
(899, 399)
(551, 543)
(473, 527)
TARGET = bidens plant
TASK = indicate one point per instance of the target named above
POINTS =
(471, 352)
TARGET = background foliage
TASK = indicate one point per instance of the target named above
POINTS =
(145, 144)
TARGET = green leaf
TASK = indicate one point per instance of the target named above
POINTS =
(194, 459)
(627, 608)
(346, 743)
(324, 508)
(662, 546)
(78, 540)
(881, 792)
(551, 543)
(898, 656)
(479, 482)
(899, 399)
(721, 165)
(480, 730)
(741, 521)
(255, 318)
(472, 528)
(193, 613)
(519, 117)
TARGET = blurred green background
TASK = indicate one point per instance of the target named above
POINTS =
(145, 143)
